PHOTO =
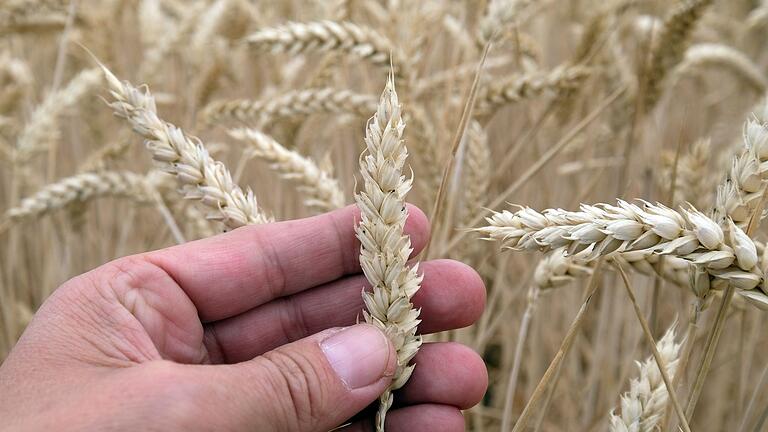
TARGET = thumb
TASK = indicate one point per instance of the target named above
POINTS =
(312, 384)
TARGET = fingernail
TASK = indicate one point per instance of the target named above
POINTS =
(359, 355)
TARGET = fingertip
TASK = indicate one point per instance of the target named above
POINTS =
(417, 226)
(447, 373)
(455, 293)
(426, 418)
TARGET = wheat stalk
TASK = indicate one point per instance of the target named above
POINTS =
(43, 126)
(642, 407)
(384, 248)
(322, 191)
(294, 104)
(562, 78)
(201, 177)
(325, 36)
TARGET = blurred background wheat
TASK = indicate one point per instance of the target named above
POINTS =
(576, 101)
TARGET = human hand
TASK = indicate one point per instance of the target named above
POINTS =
(249, 330)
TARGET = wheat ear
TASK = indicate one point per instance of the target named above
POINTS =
(384, 247)
(520, 87)
(328, 36)
(43, 126)
(82, 188)
(690, 185)
(321, 190)
(739, 194)
(719, 56)
(601, 230)
(642, 407)
(673, 41)
(295, 104)
(200, 176)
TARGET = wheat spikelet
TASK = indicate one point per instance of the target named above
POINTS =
(719, 56)
(557, 268)
(673, 41)
(519, 87)
(201, 177)
(384, 248)
(325, 36)
(294, 104)
(43, 128)
(322, 192)
(642, 408)
(80, 189)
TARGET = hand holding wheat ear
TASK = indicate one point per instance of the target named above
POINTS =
(384, 247)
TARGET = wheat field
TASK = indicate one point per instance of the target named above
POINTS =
(603, 165)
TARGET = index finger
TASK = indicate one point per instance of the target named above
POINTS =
(231, 273)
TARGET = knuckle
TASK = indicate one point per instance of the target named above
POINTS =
(299, 386)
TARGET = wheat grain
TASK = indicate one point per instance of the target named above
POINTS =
(201, 177)
(322, 192)
(642, 408)
(291, 105)
(384, 248)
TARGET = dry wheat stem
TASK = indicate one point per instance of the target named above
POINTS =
(385, 249)
(642, 407)
(200, 176)
(552, 372)
(291, 105)
(322, 192)
(661, 363)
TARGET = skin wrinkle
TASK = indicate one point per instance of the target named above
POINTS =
(133, 290)
(276, 278)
